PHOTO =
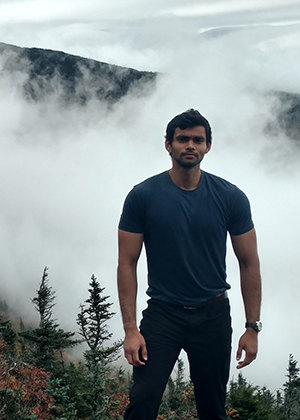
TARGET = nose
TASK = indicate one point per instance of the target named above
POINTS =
(190, 145)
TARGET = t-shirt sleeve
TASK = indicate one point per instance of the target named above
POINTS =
(132, 219)
(240, 221)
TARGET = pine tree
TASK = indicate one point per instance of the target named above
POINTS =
(48, 341)
(8, 338)
(3, 306)
(6, 331)
(22, 326)
(292, 390)
(93, 327)
(178, 400)
(92, 321)
(179, 381)
(63, 408)
(248, 402)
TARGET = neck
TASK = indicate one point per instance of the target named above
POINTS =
(186, 179)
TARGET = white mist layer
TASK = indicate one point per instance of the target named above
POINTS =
(65, 174)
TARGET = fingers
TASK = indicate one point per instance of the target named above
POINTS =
(133, 357)
(239, 353)
(247, 343)
(135, 350)
(248, 359)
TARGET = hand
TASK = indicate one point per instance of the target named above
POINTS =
(248, 343)
(134, 347)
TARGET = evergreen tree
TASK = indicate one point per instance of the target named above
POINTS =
(92, 321)
(178, 400)
(63, 408)
(3, 306)
(292, 390)
(179, 380)
(22, 326)
(48, 341)
(248, 402)
(93, 327)
(6, 331)
(80, 389)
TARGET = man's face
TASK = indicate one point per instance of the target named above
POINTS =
(188, 147)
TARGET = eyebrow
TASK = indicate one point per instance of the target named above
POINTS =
(183, 137)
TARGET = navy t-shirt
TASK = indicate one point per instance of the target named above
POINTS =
(185, 234)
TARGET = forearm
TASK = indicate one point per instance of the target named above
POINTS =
(127, 289)
(251, 290)
(246, 251)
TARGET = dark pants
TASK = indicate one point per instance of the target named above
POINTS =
(205, 334)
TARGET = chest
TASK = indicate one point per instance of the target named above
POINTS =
(198, 214)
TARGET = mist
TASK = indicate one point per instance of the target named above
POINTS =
(65, 171)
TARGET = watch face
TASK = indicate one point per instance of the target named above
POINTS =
(259, 326)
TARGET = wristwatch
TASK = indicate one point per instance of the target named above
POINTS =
(257, 326)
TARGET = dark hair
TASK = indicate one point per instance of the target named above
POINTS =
(188, 119)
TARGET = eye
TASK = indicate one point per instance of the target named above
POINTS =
(199, 140)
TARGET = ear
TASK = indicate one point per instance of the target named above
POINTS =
(168, 146)
(208, 147)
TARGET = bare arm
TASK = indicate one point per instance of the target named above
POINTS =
(245, 249)
(130, 245)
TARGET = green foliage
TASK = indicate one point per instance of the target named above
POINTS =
(3, 306)
(6, 331)
(10, 406)
(36, 383)
(292, 390)
(62, 408)
(92, 321)
(248, 402)
(9, 337)
(22, 389)
(178, 399)
(80, 388)
(48, 340)
(43, 302)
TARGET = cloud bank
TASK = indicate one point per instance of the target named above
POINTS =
(65, 171)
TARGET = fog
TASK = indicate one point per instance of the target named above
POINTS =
(65, 171)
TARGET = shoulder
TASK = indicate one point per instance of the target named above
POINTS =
(151, 183)
(141, 192)
(220, 184)
(234, 200)
(226, 191)
(137, 202)
(217, 180)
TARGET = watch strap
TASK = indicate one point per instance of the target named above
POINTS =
(257, 326)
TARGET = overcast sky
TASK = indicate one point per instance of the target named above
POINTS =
(64, 173)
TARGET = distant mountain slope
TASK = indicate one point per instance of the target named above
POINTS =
(74, 78)
(45, 73)
(288, 114)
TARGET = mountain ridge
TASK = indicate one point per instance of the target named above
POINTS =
(78, 78)
(75, 79)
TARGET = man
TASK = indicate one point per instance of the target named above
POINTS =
(183, 216)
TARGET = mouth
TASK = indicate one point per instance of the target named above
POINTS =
(189, 155)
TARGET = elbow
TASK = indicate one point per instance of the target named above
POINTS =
(248, 262)
(125, 270)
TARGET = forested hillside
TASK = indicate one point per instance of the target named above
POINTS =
(39, 376)
(39, 380)
(43, 74)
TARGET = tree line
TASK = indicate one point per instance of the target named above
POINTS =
(38, 382)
